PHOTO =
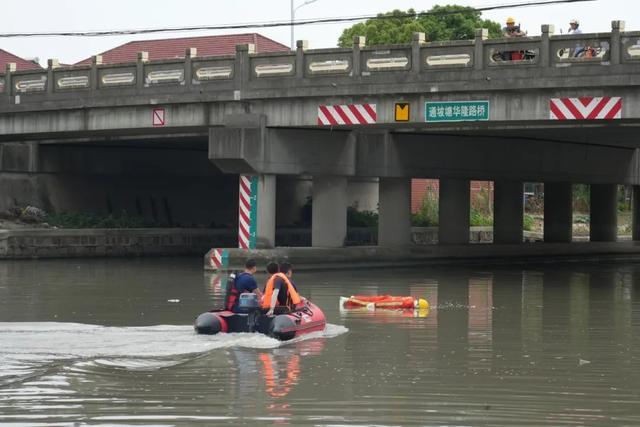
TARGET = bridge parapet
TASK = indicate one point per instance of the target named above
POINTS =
(231, 77)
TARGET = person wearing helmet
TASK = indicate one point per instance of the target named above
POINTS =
(512, 30)
(574, 27)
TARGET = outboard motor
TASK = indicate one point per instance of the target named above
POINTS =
(248, 303)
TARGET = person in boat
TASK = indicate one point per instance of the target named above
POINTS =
(280, 290)
(272, 268)
(244, 282)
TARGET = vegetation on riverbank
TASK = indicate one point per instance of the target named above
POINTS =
(32, 217)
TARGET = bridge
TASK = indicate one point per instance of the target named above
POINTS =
(555, 109)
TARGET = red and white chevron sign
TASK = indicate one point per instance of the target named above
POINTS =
(586, 108)
(351, 114)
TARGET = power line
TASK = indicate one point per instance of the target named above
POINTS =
(274, 24)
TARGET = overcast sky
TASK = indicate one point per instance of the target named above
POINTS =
(81, 15)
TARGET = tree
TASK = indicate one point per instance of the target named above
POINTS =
(451, 22)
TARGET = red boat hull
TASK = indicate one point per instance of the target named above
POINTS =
(305, 320)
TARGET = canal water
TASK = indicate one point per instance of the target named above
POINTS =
(110, 343)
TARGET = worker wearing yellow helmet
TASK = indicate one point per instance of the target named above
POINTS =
(512, 30)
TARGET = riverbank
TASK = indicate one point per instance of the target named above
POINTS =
(375, 257)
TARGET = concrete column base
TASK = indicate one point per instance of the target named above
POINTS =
(604, 213)
(454, 208)
(508, 212)
(394, 218)
(329, 214)
(558, 212)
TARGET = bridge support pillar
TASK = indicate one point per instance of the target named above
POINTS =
(266, 231)
(508, 211)
(557, 212)
(257, 212)
(454, 211)
(636, 213)
(329, 212)
(394, 212)
(604, 213)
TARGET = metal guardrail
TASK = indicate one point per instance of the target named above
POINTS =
(235, 72)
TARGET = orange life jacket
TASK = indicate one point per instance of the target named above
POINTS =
(292, 295)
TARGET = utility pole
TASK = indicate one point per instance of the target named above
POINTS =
(293, 17)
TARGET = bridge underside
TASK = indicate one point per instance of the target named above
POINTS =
(189, 176)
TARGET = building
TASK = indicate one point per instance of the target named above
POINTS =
(175, 48)
(21, 63)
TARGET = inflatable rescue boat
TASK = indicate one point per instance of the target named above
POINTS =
(284, 325)
(387, 302)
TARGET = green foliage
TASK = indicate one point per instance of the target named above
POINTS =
(356, 218)
(89, 220)
(528, 222)
(624, 198)
(450, 22)
(478, 218)
(581, 198)
(581, 219)
(428, 215)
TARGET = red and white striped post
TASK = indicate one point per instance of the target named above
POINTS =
(248, 212)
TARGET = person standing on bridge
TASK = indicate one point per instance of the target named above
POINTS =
(574, 28)
(512, 31)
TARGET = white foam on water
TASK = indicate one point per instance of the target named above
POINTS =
(26, 349)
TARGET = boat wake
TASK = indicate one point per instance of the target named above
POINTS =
(29, 350)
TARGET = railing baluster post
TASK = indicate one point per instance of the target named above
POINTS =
(189, 54)
(358, 43)
(617, 27)
(417, 40)
(301, 46)
(52, 64)
(482, 34)
(8, 79)
(96, 60)
(545, 45)
(142, 58)
(242, 68)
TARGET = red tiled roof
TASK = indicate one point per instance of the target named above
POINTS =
(21, 64)
(175, 48)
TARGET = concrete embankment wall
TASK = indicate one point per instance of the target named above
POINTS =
(370, 257)
(24, 244)
(63, 243)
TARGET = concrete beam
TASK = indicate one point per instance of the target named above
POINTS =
(508, 212)
(263, 150)
(329, 212)
(558, 212)
(454, 208)
(604, 213)
(492, 158)
(394, 215)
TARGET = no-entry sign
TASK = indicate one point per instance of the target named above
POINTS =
(158, 117)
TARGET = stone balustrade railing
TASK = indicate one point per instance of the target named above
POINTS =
(237, 72)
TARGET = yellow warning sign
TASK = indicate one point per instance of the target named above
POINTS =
(403, 111)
